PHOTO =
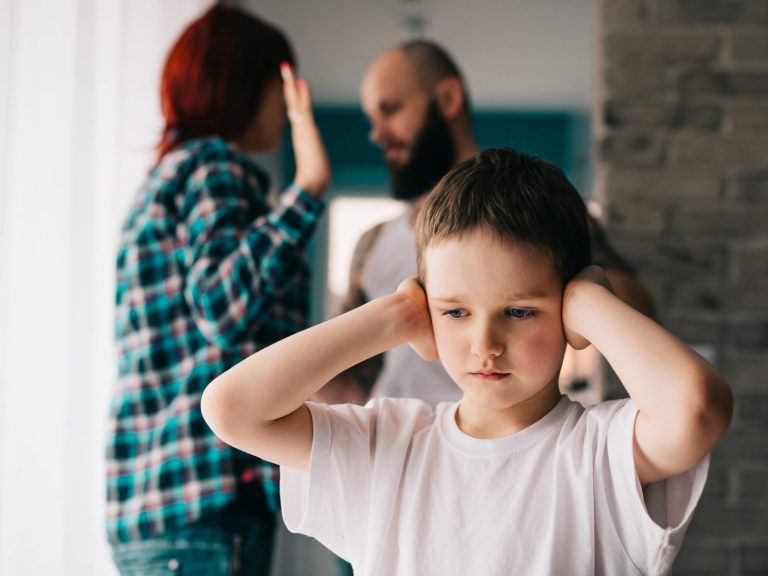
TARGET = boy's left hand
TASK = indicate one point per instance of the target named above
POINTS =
(422, 338)
(589, 276)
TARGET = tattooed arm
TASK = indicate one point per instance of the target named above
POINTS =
(355, 384)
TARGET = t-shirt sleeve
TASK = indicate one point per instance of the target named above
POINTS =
(331, 499)
(650, 522)
(347, 499)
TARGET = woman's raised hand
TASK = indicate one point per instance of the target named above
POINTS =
(313, 171)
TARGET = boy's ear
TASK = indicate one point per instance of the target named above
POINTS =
(449, 94)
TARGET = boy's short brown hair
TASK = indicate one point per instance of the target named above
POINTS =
(518, 198)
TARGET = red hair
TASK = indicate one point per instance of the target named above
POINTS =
(214, 76)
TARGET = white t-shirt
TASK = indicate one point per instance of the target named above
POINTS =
(405, 374)
(399, 490)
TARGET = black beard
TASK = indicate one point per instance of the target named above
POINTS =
(432, 156)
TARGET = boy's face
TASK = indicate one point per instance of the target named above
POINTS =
(496, 315)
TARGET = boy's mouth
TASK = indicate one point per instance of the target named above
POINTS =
(490, 375)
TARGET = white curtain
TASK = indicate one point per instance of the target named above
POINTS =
(78, 118)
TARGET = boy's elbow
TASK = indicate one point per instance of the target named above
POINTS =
(229, 415)
(714, 409)
(213, 405)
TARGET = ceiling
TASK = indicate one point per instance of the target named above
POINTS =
(515, 53)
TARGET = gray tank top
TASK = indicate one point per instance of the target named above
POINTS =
(405, 374)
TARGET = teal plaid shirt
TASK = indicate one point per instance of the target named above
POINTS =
(208, 272)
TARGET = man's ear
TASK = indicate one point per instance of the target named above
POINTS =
(449, 93)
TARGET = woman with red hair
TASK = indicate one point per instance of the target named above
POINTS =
(209, 270)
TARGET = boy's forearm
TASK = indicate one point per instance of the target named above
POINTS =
(277, 380)
(670, 383)
(651, 363)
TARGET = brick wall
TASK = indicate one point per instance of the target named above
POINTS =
(683, 179)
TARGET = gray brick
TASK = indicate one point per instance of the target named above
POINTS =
(740, 447)
(633, 150)
(704, 150)
(753, 485)
(709, 297)
(732, 224)
(705, 558)
(748, 334)
(751, 297)
(749, 262)
(695, 83)
(694, 327)
(631, 81)
(713, 11)
(663, 186)
(625, 11)
(752, 410)
(685, 259)
(650, 46)
(754, 559)
(727, 521)
(689, 258)
(636, 216)
(717, 296)
(750, 190)
(749, 46)
(648, 114)
(747, 117)
(745, 369)
(700, 117)
(696, 205)
(718, 485)
(746, 199)
(720, 466)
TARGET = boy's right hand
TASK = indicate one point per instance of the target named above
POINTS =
(313, 171)
(422, 337)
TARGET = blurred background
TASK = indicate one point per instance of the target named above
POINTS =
(656, 109)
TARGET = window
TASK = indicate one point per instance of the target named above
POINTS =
(348, 218)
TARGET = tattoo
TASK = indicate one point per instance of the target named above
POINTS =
(366, 373)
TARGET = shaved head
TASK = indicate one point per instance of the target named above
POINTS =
(430, 62)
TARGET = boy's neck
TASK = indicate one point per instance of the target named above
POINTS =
(487, 423)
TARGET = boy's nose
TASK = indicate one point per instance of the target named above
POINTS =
(487, 343)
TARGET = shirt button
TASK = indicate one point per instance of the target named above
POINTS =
(173, 564)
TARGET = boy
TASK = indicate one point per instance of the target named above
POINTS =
(513, 478)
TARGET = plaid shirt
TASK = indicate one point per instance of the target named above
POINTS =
(208, 272)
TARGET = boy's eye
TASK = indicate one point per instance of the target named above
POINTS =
(456, 313)
(519, 313)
